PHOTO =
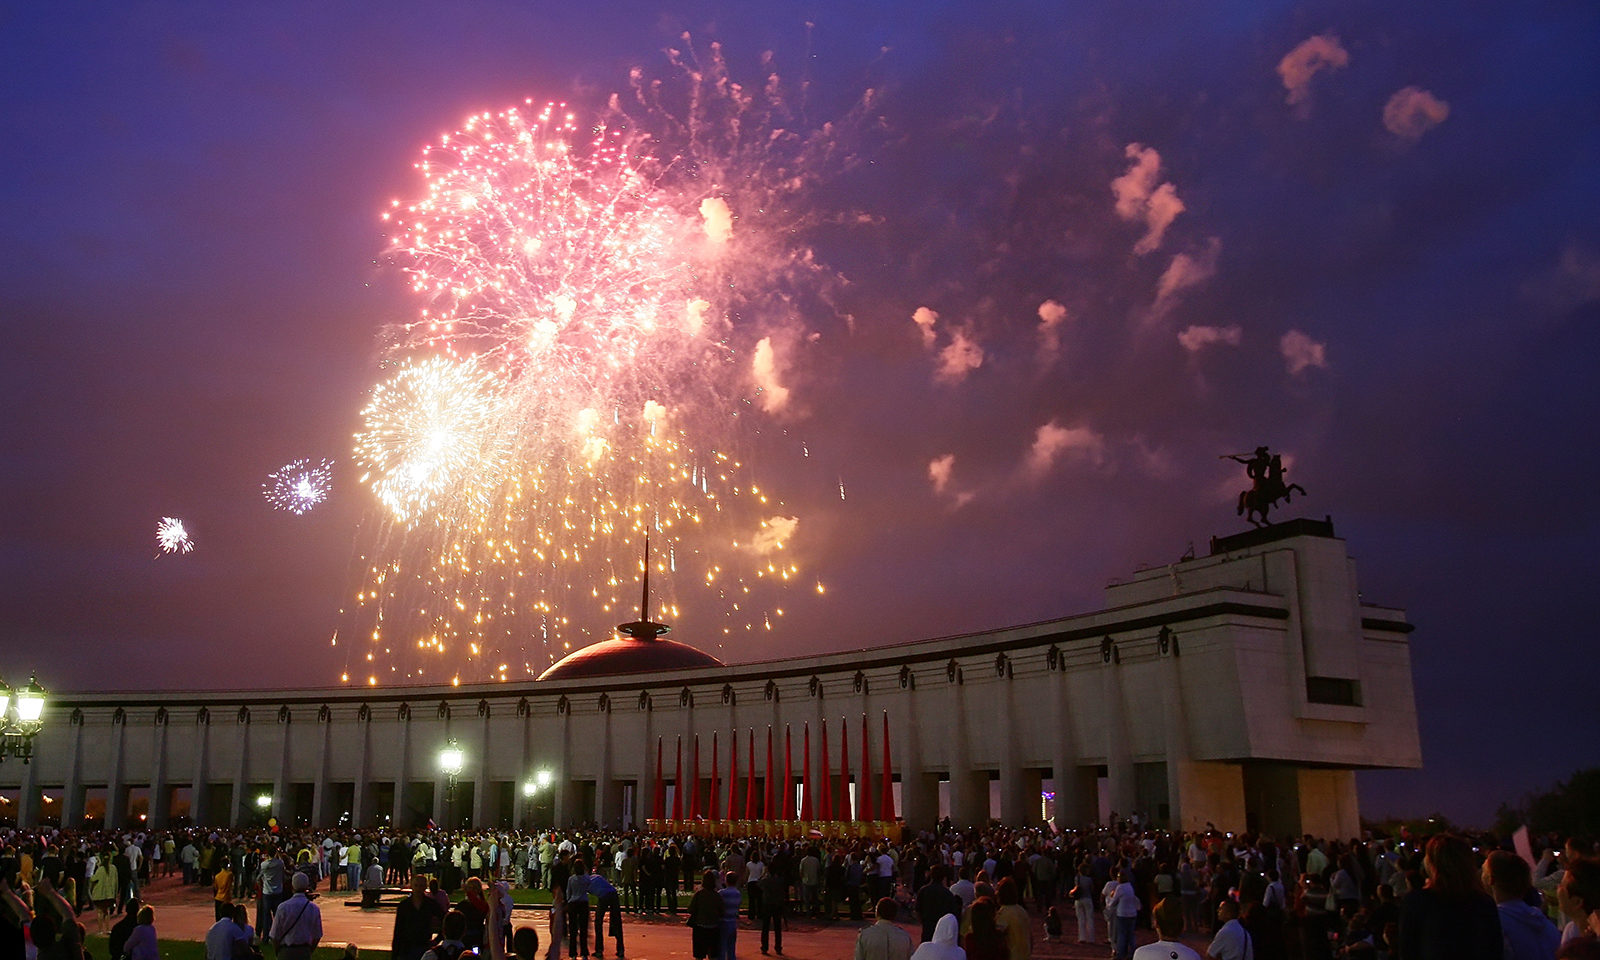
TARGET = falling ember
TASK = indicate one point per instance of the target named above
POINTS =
(299, 486)
(171, 536)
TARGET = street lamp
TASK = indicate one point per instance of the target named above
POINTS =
(264, 801)
(451, 760)
(21, 719)
(531, 788)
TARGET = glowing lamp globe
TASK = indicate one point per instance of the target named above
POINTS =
(451, 759)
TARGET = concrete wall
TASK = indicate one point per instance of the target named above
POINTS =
(1189, 689)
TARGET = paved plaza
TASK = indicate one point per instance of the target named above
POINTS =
(185, 913)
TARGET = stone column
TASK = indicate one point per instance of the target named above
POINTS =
(241, 775)
(562, 784)
(644, 798)
(116, 803)
(319, 788)
(1175, 727)
(402, 776)
(919, 799)
(1016, 807)
(1119, 755)
(967, 806)
(280, 777)
(605, 803)
(360, 815)
(72, 803)
(159, 801)
(198, 790)
(28, 804)
(520, 808)
(480, 789)
(1075, 798)
(442, 787)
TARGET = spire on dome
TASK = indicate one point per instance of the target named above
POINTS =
(644, 628)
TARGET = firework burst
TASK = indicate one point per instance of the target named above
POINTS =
(580, 375)
(171, 536)
(299, 486)
(435, 439)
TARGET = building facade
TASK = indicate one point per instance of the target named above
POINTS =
(1242, 689)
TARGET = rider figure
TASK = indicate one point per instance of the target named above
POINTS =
(1256, 467)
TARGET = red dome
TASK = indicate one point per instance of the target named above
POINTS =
(626, 654)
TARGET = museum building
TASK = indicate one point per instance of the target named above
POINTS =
(1243, 689)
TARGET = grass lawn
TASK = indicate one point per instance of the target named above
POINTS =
(97, 948)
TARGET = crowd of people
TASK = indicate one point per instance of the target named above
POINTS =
(982, 894)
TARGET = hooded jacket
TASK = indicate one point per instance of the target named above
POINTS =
(943, 945)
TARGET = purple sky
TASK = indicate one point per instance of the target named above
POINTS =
(1395, 279)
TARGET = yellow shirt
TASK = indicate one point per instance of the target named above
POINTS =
(1019, 935)
(224, 884)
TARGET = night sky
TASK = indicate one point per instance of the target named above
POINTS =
(1152, 233)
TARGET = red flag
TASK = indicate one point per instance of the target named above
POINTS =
(788, 778)
(694, 783)
(659, 808)
(846, 811)
(864, 788)
(825, 808)
(886, 804)
(711, 801)
(805, 776)
(767, 809)
(677, 784)
(750, 781)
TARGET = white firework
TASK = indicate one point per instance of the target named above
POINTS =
(171, 536)
(299, 486)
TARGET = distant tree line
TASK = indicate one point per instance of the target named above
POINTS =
(1570, 808)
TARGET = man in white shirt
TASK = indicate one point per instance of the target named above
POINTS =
(222, 936)
(965, 889)
(1169, 926)
(1232, 941)
(885, 876)
(135, 855)
(884, 940)
(297, 926)
(1274, 897)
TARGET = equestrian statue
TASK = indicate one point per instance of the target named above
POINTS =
(1265, 471)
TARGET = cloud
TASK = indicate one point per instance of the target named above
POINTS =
(1313, 55)
(925, 319)
(1139, 198)
(765, 368)
(773, 534)
(654, 413)
(1183, 273)
(1300, 351)
(1051, 316)
(1573, 282)
(960, 356)
(939, 471)
(1053, 441)
(1413, 111)
(1197, 338)
(717, 219)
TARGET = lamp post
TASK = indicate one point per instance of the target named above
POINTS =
(531, 789)
(21, 719)
(451, 760)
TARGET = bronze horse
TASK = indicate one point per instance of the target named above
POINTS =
(1267, 490)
